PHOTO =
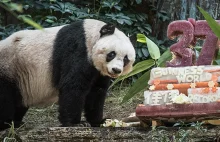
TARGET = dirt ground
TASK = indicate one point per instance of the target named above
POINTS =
(37, 118)
(47, 117)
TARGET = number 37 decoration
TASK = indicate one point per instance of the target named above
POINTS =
(189, 31)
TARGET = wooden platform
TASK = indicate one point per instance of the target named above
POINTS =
(179, 112)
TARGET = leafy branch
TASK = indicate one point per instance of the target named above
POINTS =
(11, 7)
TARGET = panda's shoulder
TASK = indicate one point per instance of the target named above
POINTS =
(80, 27)
(75, 28)
(69, 36)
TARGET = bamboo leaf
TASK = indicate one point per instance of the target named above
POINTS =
(166, 56)
(153, 49)
(30, 22)
(145, 52)
(141, 38)
(138, 86)
(139, 67)
(17, 7)
(212, 23)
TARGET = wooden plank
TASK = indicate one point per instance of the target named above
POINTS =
(183, 112)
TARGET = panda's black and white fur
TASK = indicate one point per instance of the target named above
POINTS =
(72, 64)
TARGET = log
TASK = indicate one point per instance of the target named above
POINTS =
(179, 112)
(55, 134)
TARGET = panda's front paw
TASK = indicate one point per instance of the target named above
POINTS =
(98, 124)
(81, 124)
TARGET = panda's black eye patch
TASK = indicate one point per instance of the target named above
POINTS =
(126, 60)
(110, 56)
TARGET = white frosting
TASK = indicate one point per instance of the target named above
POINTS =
(196, 95)
(159, 97)
(183, 74)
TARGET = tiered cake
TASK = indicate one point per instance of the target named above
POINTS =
(169, 85)
(182, 93)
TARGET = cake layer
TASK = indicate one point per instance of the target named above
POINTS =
(195, 95)
(204, 95)
(187, 74)
(183, 87)
(159, 97)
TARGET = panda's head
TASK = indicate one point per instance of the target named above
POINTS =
(113, 53)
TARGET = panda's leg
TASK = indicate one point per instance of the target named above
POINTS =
(72, 95)
(20, 112)
(20, 109)
(95, 101)
(7, 103)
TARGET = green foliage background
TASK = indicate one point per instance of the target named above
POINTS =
(48, 13)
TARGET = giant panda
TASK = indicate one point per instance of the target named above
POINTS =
(71, 64)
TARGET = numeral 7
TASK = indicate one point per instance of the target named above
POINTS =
(188, 33)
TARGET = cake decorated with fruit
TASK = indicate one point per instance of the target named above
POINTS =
(181, 94)
(187, 88)
(194, 84)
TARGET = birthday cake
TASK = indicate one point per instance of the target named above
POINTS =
(191, 84)
(181, 94)
(187, 88)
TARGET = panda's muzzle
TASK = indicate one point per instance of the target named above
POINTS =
(116, 70)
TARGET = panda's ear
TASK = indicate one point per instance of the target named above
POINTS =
(133, 39)
(107, 29)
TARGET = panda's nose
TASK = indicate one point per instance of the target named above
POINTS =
(116, 70)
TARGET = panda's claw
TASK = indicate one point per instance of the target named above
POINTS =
(81, 124)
